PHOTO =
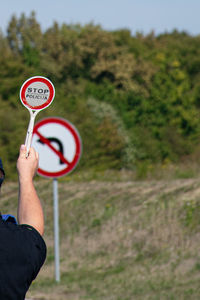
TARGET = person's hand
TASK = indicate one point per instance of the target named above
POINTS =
(27, 166)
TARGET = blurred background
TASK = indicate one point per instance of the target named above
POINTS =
(126, 75)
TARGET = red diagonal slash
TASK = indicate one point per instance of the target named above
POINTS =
(46, 141)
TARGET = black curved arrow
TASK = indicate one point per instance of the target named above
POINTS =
(57, 141)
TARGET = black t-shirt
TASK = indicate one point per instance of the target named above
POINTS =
(22, 254)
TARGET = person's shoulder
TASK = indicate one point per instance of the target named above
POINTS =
(31, 231)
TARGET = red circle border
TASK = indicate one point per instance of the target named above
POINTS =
(32, 80)
(78, 143)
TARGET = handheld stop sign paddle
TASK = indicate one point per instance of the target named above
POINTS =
(36, 94)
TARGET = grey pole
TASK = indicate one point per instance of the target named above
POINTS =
(56, 229)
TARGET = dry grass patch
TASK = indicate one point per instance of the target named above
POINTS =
(120, 240)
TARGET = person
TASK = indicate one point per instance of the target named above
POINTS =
(22, 247)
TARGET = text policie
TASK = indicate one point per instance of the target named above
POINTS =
(34, 93)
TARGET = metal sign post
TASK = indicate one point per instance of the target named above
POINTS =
(56, 229)
(59, 146)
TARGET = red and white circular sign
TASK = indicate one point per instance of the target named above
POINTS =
(37, 93)
(59, 146)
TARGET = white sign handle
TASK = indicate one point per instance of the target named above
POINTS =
(33, 95)
(30, 130)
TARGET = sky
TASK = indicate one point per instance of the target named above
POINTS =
(136, 15)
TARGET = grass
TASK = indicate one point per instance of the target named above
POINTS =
(119, 239)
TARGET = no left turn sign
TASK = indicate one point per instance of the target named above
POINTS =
(59, 146)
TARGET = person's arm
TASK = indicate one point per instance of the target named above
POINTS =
(30, 210)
